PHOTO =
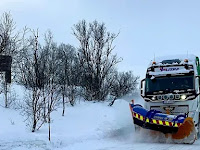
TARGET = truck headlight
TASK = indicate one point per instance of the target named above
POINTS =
(177, 96)
(159, 97)
(171, 96)
(183, 97)
(165, 97)
(153, 98)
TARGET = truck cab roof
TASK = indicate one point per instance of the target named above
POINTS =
(176, 64)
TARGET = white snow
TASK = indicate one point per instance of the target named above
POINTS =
(86, 126)
(191, 59)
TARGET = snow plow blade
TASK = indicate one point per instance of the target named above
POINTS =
(180, 129)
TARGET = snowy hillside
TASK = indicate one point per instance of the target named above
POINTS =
(87, 126)
(84, 125)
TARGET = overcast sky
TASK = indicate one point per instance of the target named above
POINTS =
(147, 27)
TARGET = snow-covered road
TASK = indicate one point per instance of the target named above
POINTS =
(87, 126)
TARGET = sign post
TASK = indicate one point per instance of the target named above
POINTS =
(5, 66)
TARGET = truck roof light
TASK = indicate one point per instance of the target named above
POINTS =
(153, 63)
(186, 60)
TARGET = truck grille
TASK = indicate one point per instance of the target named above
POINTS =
(174, 110)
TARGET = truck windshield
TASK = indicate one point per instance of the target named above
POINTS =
(169, 84)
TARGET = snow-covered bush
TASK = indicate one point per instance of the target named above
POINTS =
(123, 84)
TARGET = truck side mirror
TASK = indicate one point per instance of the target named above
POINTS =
(142, 85)
(198, 78)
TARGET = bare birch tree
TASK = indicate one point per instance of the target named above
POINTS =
(9, 40)
(95, 57)
(31, 79)
(51, 73)
(68, 74)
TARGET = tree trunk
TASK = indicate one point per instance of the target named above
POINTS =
(71, 97)
(112, 102)
(63, 113)
(44, 107)
(34, 124)
(6, 94)
(49, 127)
(34, 110)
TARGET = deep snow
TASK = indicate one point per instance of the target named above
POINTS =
(87, 126)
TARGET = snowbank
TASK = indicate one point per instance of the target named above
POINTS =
(87, 121)
(87, 126)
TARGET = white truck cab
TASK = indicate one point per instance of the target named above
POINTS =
(172, 85)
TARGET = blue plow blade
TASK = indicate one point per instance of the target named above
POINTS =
(155, 120)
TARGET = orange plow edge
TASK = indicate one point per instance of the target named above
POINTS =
(186, 132)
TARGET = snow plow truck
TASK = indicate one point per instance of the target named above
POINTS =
(170, 91)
